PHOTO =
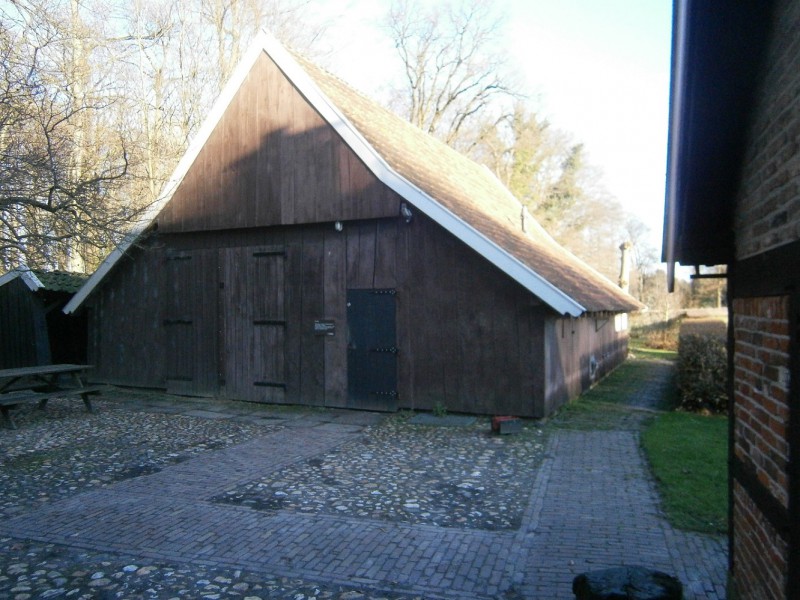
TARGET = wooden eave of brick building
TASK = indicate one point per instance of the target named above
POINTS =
(464, 198)
(717, 54)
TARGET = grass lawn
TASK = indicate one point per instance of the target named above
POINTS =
(688, 454)
(629, 379)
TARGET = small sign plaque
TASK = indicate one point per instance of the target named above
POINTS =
(325, 327)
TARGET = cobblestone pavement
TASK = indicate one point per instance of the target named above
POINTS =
(157, 497)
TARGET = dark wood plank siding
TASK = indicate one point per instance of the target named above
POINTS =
(23, 327)
(273, 160)
(572, 345)
(179, 321)
(253, 322)
(154, 323)
(190, 321)
(468, 337)
(334, 302)
(126, 334)
(312, 349)
(461, 319)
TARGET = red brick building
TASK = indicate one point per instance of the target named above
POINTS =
(734, 198)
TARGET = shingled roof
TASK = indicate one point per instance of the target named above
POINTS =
(471, 192)
(462, 196)
(52, 281)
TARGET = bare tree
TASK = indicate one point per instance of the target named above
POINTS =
(98, 101)
(227, 26)
(645, 256)
(457, 87)
(180, 54)
(453, 72)
(56, 168)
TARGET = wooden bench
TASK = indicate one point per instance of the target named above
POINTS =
(10, 400)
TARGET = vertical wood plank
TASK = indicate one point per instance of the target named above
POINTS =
(248, 150)
(269, 168)
(340, 200)
(312, 380)
(288, 154)
(335, 301)
(294, 314)
(386, 249)
(368, 253)
(405, 293)
(352, 234)
(446, 313)
(204, 349)
(431, 325)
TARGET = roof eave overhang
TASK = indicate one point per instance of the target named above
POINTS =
(677, 86)
(717, 54)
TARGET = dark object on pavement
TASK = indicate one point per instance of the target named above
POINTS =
(504, 425)
(627, 583)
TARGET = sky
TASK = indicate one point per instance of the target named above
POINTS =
(595, 69)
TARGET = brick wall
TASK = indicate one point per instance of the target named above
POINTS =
(760, 553)
(761, 410)
(767, 218)
(768, 213)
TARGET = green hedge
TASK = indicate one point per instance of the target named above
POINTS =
(702, 374)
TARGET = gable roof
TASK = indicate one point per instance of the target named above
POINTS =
(53, 281)
(463, 197)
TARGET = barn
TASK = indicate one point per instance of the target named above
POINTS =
(33, 328)
(313, 248)
(734, 198)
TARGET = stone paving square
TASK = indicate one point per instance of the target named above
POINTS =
(292, 503)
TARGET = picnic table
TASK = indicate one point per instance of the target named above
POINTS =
(39, 384)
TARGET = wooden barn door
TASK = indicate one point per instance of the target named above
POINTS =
(253, 345)
(371, 350)
(189, 321)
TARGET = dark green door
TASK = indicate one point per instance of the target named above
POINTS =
(371, 350)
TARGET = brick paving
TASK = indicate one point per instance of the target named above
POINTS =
(596, 508)
(592, 505)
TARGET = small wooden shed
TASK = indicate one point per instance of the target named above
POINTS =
(314, 248)
(33, 328)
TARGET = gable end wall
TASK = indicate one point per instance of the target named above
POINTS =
(272, 160)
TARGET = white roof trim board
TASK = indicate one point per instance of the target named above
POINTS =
(27, 276)
(506, 262)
